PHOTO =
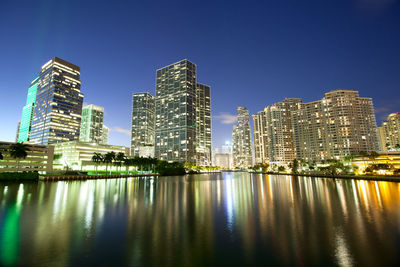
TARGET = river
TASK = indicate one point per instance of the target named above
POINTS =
(230, 219)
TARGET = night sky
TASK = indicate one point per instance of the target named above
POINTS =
(251, 53)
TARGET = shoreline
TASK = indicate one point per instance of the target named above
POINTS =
(348, 177)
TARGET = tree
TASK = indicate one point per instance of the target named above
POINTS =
(97, 158)
(18, 151)
(109, 158)
(372, 156)
(294, 166)
(281, 168)
(119, 158)
(397, 146)
(1, 156)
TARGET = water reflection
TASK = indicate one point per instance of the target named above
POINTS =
(233, 218)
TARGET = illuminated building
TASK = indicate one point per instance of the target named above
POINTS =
(179, 109)
(39, 158)
(223, 160)
(92, 124)
(78, 155)
(203, 124)
(241, 138)
(104, 137)
(341, 124)
(389, 133)
(58, 107)
(260, 137)
(142, 131)
(391, 158)
(27, 112)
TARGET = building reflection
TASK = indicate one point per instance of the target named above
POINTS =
(200, 220)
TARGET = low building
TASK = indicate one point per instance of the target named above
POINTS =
(77, 155)
(39, 158)
(224, 161)
(392, 159)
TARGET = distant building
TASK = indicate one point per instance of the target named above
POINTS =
(18, 129)
(241, 137)
(104, 137)
(260, 137)
(223, 160)
(27, 112)
(92, 124)
(78, 155)
(341, 124)
(143, 120)
(58, 107)
(40, 158)
(182, 105)
(389, 133)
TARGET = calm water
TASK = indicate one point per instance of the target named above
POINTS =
(201, 220)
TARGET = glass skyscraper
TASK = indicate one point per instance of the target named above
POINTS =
(179, 112)
(143, 119)
(92, 124)
(58, 107)
(27, 112)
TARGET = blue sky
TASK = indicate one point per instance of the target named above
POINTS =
(252, 53)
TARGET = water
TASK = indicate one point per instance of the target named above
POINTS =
(233, 219)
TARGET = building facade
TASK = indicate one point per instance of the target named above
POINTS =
(58, 107)
(241, 138)
(143, 122)
(389, 133)
(341, 124)
(203, 124)
(78, 155)
(39, 158)
(92, 124)
(27, 112)
(178, 115)
(260, 137)
(104, 137)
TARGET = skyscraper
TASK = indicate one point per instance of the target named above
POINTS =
(341, 124)
(260, 137)
(241, 138)
(92, 124)
(203, 124)
(58, 107)
(104, 137)
(143, 120)
(27, 112)
(389, 133)
(177, 115)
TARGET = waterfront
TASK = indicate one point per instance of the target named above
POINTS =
(202, 220)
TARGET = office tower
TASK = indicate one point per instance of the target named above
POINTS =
(92, 124)
(58, 107)
(176, 115)
(27, 112)
(389, 133)
(260, 137)
(241, 137)
(18, 129)
(104, 137)
(203, 124)
(143, 120)
(341, 124)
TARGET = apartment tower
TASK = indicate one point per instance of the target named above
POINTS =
(241, 138)
(92, 124)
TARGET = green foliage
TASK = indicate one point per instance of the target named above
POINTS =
(1, 156)
(18, 151)
(31, 176)
(281, 169)
(260, 167)
(166, 168)
(294, 166)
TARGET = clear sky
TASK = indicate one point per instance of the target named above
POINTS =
(251, 53)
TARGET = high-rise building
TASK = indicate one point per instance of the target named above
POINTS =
(143, 120)
(260, 137)
(177, 115)
(203, 124)
(92, 124)
(58, 107)
(341, 124)
(27, 112)
(241, 138)
(389, 133)
(104, 137)
(17, 135)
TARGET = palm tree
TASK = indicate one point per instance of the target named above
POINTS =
(120, 157)
(97, 158)
(108, 159)
(18, 151)
(1, 156)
